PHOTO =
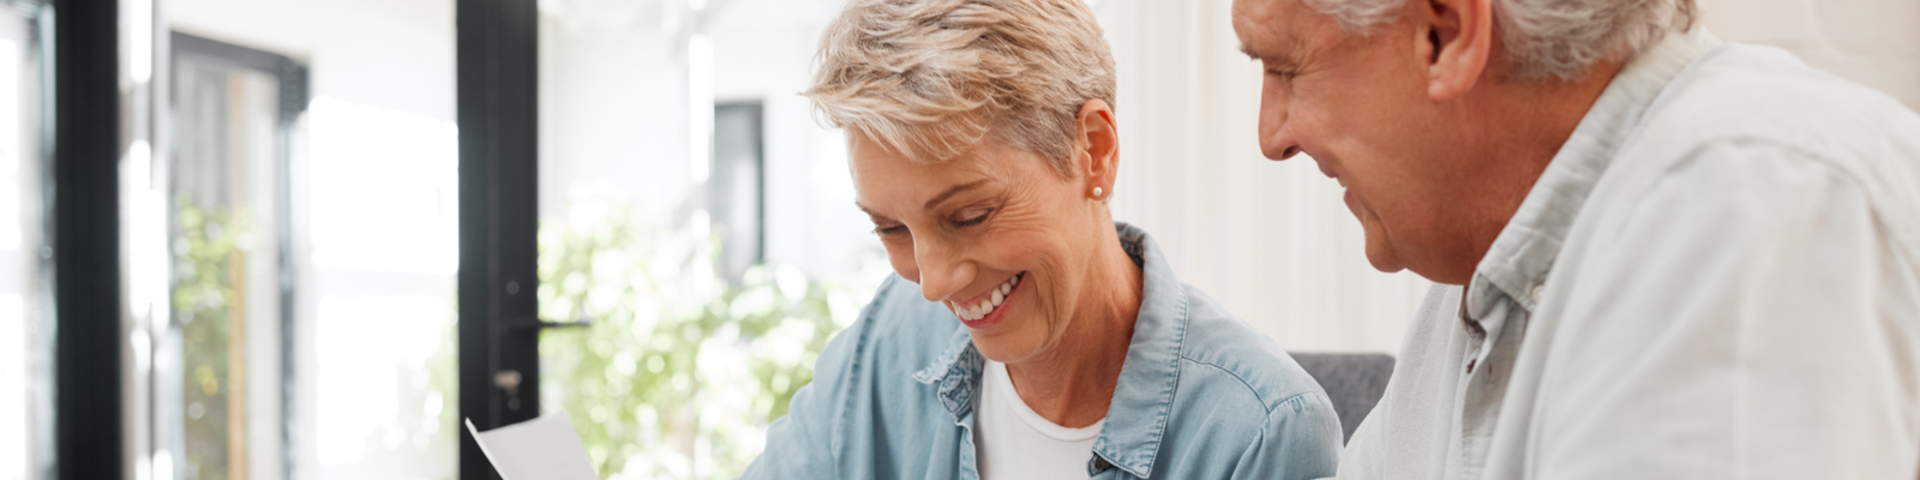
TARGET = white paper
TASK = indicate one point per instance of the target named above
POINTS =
(544, 448)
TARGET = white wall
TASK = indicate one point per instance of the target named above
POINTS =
(394, 54)
(764, 49)
(614, 113)
(1874, 42)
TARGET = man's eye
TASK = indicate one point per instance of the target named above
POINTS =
(974, 220)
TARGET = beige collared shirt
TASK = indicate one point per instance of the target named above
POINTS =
(1715, 278)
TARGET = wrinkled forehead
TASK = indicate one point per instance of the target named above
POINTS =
(1280, 31)
(887, 183)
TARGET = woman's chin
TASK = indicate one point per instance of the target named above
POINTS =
(1004, 347)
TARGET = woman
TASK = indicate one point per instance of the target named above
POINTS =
(1043, 340)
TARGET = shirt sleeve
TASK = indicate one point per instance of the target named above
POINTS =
(1301, 441)
(1748, 318)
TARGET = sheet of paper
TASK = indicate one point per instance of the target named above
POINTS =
(544, 448)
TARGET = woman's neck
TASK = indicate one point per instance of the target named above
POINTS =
(1072, 383)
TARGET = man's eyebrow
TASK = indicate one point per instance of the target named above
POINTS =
(954, 191)
(1249, 51)
(1273, 58)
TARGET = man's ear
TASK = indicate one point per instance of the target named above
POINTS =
(1098, 153)
(1458, 38)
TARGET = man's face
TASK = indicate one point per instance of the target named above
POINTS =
(1358, 105)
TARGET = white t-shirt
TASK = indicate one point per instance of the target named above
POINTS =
(1012, 442)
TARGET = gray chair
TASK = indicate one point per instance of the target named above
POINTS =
(1354, 381)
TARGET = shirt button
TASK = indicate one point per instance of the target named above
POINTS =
(1537, 289)
(1101, 464)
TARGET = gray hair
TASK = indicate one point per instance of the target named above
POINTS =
(1548, 38)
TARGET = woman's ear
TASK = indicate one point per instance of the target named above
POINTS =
(1456, 40)
(1097, 155)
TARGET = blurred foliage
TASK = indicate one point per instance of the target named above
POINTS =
(209, 266)
(680, 372)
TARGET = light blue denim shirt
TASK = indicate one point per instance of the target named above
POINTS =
(1201, 396)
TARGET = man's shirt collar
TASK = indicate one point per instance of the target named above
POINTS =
(1517, 264)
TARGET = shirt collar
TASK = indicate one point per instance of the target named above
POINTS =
(1143, 399)
(1517, 264)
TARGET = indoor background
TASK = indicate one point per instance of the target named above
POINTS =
(290, 232)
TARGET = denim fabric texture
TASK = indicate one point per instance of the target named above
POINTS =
(1201, 396)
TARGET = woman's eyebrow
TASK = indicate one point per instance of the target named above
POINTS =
(955, 190)
(951, 191)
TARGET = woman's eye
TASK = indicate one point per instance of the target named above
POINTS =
(885, 231)
(975, 219)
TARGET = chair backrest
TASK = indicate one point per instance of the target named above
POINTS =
(1354, 381)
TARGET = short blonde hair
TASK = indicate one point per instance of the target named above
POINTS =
(932, 78)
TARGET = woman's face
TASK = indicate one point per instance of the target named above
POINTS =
(993, 219)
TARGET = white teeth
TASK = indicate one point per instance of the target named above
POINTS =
(995, 298)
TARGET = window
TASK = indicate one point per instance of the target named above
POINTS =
(25, 257)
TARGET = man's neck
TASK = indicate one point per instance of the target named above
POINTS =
(1521, 127)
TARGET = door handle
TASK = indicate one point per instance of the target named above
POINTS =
(535, 323)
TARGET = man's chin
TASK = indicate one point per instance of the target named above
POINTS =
(1383, 259)
(1379, 251)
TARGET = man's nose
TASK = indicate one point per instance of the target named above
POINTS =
(1280, 143)
(942, 274)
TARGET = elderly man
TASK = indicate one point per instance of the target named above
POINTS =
(1659, 256)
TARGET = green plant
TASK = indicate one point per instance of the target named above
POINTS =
(208, 303)
(680, 372)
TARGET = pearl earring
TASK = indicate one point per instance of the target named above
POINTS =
(1096, 192)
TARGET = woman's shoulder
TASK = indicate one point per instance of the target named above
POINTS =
(1226, 357)
(899, 312)
(898, 330)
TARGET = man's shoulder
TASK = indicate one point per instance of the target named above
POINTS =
(1761, 95)
(1746, 116)
(1225, 358)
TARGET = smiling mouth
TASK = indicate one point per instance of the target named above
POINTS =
(1330, 173)
(983, 305)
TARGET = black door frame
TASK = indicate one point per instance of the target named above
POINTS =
(497, 67)
(89, 421)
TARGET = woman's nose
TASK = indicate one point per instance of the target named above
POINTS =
(942, 275)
